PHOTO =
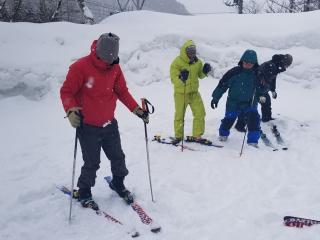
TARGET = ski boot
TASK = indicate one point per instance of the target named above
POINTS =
(117, 185)
(175, 141)
(223, 138)
(198, 140)
(255, 145)
(267, 119)
(85, 198)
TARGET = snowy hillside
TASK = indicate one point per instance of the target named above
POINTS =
(207, 194)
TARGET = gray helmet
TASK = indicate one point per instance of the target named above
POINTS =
(287, 60)
(108, 47)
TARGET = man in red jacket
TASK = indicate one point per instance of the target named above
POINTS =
(89, 94)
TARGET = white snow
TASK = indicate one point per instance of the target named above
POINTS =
(208, 194)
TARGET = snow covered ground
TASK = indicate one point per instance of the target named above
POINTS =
(208, 194)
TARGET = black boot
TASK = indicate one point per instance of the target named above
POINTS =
(85, 198)
(117, 185)
(267, 119)
(175, 141)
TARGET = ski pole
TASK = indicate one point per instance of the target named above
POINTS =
(145, 107)
(74, 162)
(246, 129)
(184, 113)
(73, 172)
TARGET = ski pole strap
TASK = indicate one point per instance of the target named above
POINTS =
(146, 104)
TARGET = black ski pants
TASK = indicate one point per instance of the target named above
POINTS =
(265, 113)
(266, 108)
(92, 139)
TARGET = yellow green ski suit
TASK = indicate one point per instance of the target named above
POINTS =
(187, 94)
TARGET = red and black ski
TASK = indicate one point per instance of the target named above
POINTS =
(298, 222)
(144, 217)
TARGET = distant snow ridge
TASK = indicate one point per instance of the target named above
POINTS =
(25, 82)
(144, 65)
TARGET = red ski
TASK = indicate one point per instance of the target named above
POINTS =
(144, 217)
(298, 222)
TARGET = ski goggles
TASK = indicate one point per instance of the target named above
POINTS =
(191, 51)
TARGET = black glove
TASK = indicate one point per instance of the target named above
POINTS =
(206, 68)
(274, 94)
(184, 74)
(144, 115)
(214, 103)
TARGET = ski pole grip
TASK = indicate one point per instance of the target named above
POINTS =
(145, 105)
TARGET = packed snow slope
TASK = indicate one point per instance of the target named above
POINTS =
(207, 194)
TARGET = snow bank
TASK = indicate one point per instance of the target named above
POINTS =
(35, 57)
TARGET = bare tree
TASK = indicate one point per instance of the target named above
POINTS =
(307, 6)
(235, 3)
(130, 5)
(56, 11)
(16, 10)
(86, 12)
(292, 6)
(4, 15)
(251, 7)
(139, 4)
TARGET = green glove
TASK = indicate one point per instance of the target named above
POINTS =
(73, 115)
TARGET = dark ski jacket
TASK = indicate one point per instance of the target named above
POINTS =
(267, 72)
(242, 84)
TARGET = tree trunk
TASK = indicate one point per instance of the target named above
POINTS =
(240, 6)
(306, 7)
(16, 11)
(291, 6)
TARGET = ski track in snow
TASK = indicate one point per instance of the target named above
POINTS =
(208, 194)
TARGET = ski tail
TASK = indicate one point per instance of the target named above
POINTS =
(144, 217)
(267, 141)
(298, 222)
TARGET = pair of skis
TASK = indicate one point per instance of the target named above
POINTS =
(144, 217)
(276, 134)
(104, 214)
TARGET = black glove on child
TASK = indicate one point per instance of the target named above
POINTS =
(214, 104)
(206, 68)
(184, 74)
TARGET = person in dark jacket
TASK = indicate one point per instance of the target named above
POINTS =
(89, 94)
(243, 96)
(267, 74)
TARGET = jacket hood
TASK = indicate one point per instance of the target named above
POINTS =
(249, 56)
(183, 53)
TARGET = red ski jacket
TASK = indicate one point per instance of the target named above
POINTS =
(95, 86)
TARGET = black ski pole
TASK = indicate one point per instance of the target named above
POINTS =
(246, 129)
(73, 172)
(74, 162)
(184, 113)
(145, 107)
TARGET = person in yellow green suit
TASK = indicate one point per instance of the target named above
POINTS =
(185, 71)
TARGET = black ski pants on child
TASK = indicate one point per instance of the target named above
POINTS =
(92, 139)
(266, 108)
